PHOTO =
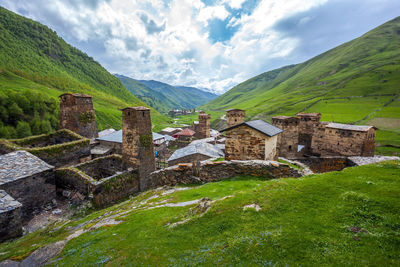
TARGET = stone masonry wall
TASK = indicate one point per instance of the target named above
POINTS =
(288, 139)
(32, 191)
(234, 117)
(203, 128)
(307, 123)
(209, 171)
(245, 143)
(10, 217)
(326, 164)
(77, 114)
(338, 142)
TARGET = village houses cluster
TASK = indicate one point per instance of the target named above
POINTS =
(78, 162)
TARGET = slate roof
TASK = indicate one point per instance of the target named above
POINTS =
(359, 128)
(77, 95)
(170, 129)
(20, 164)
(116, 137)
(8, 203)
(204, 140)
(200, 148)
(259, 125)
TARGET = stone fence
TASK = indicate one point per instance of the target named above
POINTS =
(209, 171)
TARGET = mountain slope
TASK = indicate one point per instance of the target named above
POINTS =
(357, 82)
(186, 97)
(153, 98)
(33, 56)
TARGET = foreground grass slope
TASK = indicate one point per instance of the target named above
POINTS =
(33, 58)
(339, 218)
(357, 82)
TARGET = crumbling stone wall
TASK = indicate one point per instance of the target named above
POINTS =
(343, 142)
(137, 140)
(325, 164)
(108, 179)
(77, 114)
(209, 171)
(10, 217)
(245, 143)
(60, 148)
(288, 140)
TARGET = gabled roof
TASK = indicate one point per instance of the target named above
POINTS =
(106, 132)
(259, 125)
(200, 148)
(20, 164)
(77, 95)
(170, 129)
(186, 132)
(359, 128)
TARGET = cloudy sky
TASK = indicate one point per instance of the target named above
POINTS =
(204, 43)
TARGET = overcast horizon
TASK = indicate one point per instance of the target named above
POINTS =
(205, 44)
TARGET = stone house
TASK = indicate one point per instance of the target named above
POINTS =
(77, 114)
(10, 217)
(170, 131)
(336, 139)
(305, 135)
(27, 179)
(252, 140)
(186, 135)
(195, 152)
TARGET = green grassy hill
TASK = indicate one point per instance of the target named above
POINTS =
(34, 60)
(357, 82)
(347, 218)
(185, 97)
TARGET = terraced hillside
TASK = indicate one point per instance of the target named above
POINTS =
(357, 82)
(339, 218)
(35, 61)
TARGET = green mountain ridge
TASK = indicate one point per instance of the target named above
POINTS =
(356, 82)
(34, 60)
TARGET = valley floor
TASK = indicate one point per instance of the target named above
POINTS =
(350, 217)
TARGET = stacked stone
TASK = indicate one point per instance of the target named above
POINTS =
(10, 217)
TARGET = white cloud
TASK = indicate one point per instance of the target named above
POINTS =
(179, 50)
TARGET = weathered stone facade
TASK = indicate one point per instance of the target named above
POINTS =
(245, 143)
(325, 164)
(330, 140)
(10, 217)
(28, 180)
(77, 114)
(60, 148)
(209, 171)
(234, 117)
(307, 123)
(202, 129)
(107, 178)
(305, 135)
(137, 141)
(288, 141)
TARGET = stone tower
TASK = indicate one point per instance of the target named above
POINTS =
(137, 142)
(203, 129)
(77, 114)
(234, 116)
(288, 140)
(307, 123)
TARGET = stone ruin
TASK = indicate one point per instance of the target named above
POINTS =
(60, 148)
(77, 114)
(104, 180)
(305, 135)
